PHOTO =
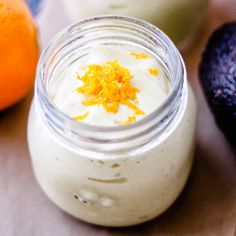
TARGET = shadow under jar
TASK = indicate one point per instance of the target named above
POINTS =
(112, 176)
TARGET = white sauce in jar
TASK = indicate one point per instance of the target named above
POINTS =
(179, 19)
(148, 77)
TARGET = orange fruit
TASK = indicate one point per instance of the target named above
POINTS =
(19, 51)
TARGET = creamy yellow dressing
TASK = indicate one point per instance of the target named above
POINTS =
(113, 87)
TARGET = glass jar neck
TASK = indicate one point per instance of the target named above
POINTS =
(74, 43)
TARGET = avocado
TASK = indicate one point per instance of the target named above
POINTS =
(217, 73)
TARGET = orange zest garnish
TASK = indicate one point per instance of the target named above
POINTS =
(139, 55)
(133, 107)
(108, 85)
(81, 117)
(130, 120)
(153, 71)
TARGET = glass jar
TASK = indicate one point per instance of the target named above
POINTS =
(113, 176)
(179, 19)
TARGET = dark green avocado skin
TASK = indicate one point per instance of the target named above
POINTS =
(217, 73)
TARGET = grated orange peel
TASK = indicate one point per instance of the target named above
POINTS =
(153, 71)
(108, 85)
(139, 55)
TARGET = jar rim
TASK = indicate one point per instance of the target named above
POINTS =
(180, 71)
(157, 124)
